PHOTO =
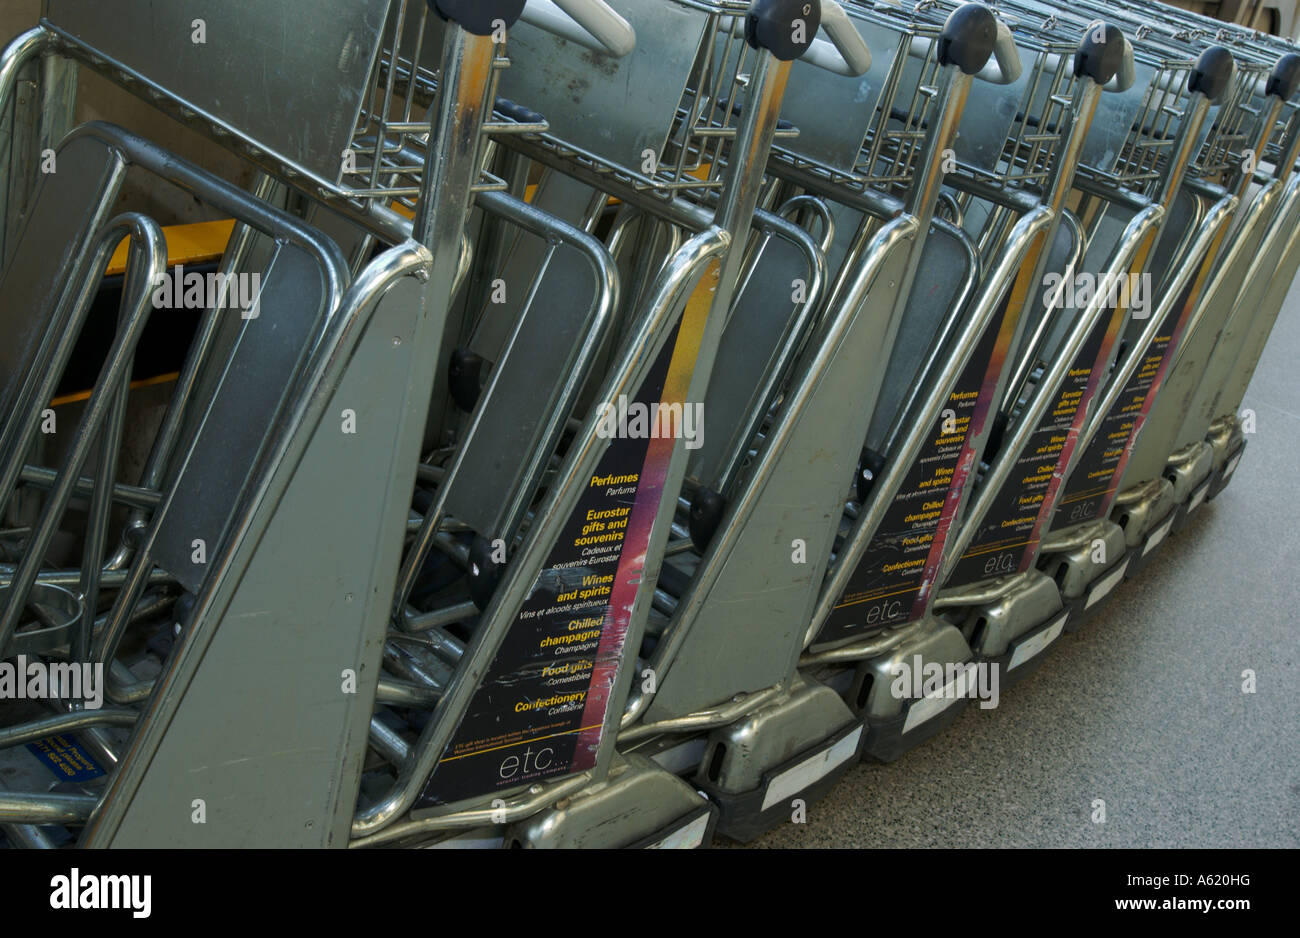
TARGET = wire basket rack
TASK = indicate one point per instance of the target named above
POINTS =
(666, 154)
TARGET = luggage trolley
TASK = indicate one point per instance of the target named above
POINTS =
(755, 734)
(1267, 285)
(735, 746)
(371, 345)
(873, 612)
(504, 755)
(1266, 290)
(1218, 327)
(1147, 510)
(1132, 180)
(1009, 609)
(1188, 423)
(1211, 417)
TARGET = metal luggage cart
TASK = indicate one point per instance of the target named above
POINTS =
(1007, 609)
(1267, 284)
(1147, 509)
(1180, 421)
(1258, 303)
(864, 177)
(398, 545)
(1265, 293)
(708, 183)
(874, 609)
(1191, 438)
(1132, 176)
(373, 347)
(793, 492)
(1209, 430)
(66, 246)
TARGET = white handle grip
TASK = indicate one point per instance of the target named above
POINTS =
(1004, 67)
(854, 58)
(592, 24)
(1127, 73)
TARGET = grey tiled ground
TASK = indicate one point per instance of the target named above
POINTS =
(1143, 707)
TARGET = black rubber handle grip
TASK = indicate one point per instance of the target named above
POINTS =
(517, 112)
(479, 16)
(1285, 77)
(738, 108)
(1100, 54)
(1213, 73)
(465, 379)
(707, 509)
(785, 28)
(968, 37)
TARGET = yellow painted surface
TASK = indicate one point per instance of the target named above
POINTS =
(186, 244)
(85, 395)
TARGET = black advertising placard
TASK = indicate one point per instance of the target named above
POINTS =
(1093, 484)
(540, 710)
(1006, 540)
(892, 582)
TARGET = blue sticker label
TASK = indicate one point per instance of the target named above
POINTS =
(68, 761)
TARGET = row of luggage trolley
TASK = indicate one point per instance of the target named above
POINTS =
(599, 404)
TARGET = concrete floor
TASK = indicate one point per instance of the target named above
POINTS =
(1143, 708)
